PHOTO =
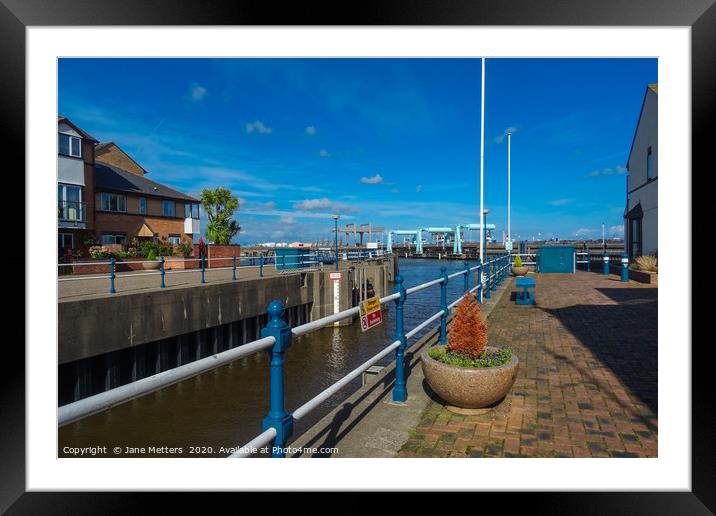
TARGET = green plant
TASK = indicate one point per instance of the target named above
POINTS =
(152, 255)
(89, 241)
(185, 249)
(488, 358)
(518, 261)
(647, 263)
(468, 333)
(219, 205)
(97, 251)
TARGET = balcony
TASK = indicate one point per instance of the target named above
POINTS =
(71, 214)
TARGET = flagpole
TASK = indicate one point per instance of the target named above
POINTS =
(509, 237)
(482, 164)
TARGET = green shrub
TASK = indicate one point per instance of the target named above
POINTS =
(185, 249)
(518, 261)
(152, 255)
(488, 358)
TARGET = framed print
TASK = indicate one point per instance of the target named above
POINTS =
(238, 189)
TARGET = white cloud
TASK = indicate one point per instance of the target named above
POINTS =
(616, 231)
(561, 202)
(394, 190)
(310, 130)
(608, 171)
(322, 204)
(583, 232)
(287, 219)
(419, 188)
(372, 180)
(197, 92)
(258, 126)
(324, 153)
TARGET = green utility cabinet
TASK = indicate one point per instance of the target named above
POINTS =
(556, 258)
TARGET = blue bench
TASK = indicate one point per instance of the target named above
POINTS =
(525, 297)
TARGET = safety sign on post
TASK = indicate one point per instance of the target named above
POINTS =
(370, 314)
(335, 275)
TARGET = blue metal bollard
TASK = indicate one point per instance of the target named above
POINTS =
(233, 270)
(605, 268)
(589, 260)
(277, 417)
(261, 266)
(625, 267)
(443, 305)
(111, 275)
(493, 284)
(400, 394)
(161, 267)
(203, 267)
(466, 266)
(479, 281)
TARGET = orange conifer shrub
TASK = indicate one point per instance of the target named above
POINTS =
(468, 333)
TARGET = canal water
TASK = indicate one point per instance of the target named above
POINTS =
(224, 407)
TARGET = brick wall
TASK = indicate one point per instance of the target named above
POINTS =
(219, 255)
(130, 224)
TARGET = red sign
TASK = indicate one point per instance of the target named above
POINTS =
(370, 313)
(335, 275)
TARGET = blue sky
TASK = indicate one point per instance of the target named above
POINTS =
(393, 142)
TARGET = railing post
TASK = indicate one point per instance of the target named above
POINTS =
(466, 279)
(443, 305)
(400, 394)
(493, 285)
(233, 269)
(605, 267)
(625, 267)
(488, 271)
(479, 281)
(112, 275)
(161, 267)
(277, 417)
(589, 260)
(203, 268)
(261, 266)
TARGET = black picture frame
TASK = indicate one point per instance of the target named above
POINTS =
(16, 15)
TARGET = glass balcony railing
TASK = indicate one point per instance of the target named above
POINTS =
(73, 211)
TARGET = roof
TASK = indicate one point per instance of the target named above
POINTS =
(84, 134)
(111, 177)
(653, 87)
(635, 213)
(105, 152)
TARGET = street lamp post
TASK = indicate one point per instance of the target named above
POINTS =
(509, 235)
(335, 218)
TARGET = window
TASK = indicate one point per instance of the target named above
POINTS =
(64, 240)
(635, 237)
(69, 202)
(113, 202)
(70, 145)
(649, 165)
(168, 208)
(174, 240)
(113, 238)
(142, 205)
(191, 211)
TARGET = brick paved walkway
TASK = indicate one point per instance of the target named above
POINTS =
(587, 383)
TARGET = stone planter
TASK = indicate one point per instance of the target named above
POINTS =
(643, 276)
(470, 388)
(151, 265)
(520, 271)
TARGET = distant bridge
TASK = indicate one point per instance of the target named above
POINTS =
(453, 234)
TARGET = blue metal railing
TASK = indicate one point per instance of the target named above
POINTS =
(306, 262)
(277, 337)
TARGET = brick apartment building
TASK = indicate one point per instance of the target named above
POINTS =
(112, 199)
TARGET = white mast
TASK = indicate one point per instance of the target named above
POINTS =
(482, 164)
(508, 186)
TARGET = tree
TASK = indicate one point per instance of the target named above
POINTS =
(220, 206)
(468, 333)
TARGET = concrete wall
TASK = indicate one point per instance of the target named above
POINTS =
(91, 327)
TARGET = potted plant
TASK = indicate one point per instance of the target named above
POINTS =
(151, 261)
(517, 268)
(467, 373)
